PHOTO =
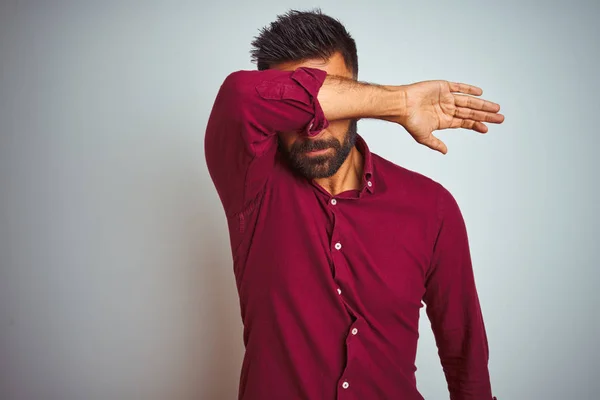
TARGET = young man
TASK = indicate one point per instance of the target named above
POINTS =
(334, 248)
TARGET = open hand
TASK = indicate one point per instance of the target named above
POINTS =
(435, 105)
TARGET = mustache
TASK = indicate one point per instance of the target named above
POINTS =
(313, 145)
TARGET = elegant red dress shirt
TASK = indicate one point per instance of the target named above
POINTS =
(330, 287)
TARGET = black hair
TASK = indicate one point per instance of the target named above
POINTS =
(300, 35)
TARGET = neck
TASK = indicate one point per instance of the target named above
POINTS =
(348, 177)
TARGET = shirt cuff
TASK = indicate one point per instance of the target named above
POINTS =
(311, 79)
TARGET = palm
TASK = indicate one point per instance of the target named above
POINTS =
(435, 105)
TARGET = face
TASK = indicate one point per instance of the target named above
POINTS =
(322, 155)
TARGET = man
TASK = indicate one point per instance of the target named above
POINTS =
(335, 249)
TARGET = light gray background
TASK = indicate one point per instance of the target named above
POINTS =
(116, 279)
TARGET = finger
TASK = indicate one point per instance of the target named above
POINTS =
(475, 103)
(479, 127)
(464, 88)
(475, 115)
(476, 126)
(435, 144)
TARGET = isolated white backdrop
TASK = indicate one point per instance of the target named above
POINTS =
(115, 271)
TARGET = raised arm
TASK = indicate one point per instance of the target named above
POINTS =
(253, 106)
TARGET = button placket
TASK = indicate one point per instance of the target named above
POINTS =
(344, 383)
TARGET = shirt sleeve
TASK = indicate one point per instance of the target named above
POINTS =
(241, 136)
(453, 308)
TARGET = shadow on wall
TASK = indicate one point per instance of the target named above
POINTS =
(222, 352)
(214, 326)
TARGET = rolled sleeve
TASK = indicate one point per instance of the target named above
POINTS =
(311, 80)
(302, 88)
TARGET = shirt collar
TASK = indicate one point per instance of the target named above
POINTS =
(368, 179)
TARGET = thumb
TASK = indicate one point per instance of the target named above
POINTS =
(434, 143)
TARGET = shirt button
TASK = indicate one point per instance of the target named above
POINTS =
(345, 385)
(354, 331)
(338, 246)
(369, 183)
(333, 202)
(339, 291)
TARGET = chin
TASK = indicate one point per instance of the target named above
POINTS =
(317, 176)
(316, 167)
(319, 172)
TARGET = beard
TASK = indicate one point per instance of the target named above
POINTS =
(325, 165)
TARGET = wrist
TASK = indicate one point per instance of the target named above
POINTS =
(393, 103)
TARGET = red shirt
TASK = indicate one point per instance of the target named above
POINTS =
(330, 288)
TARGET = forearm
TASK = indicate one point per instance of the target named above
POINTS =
(342, 98)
